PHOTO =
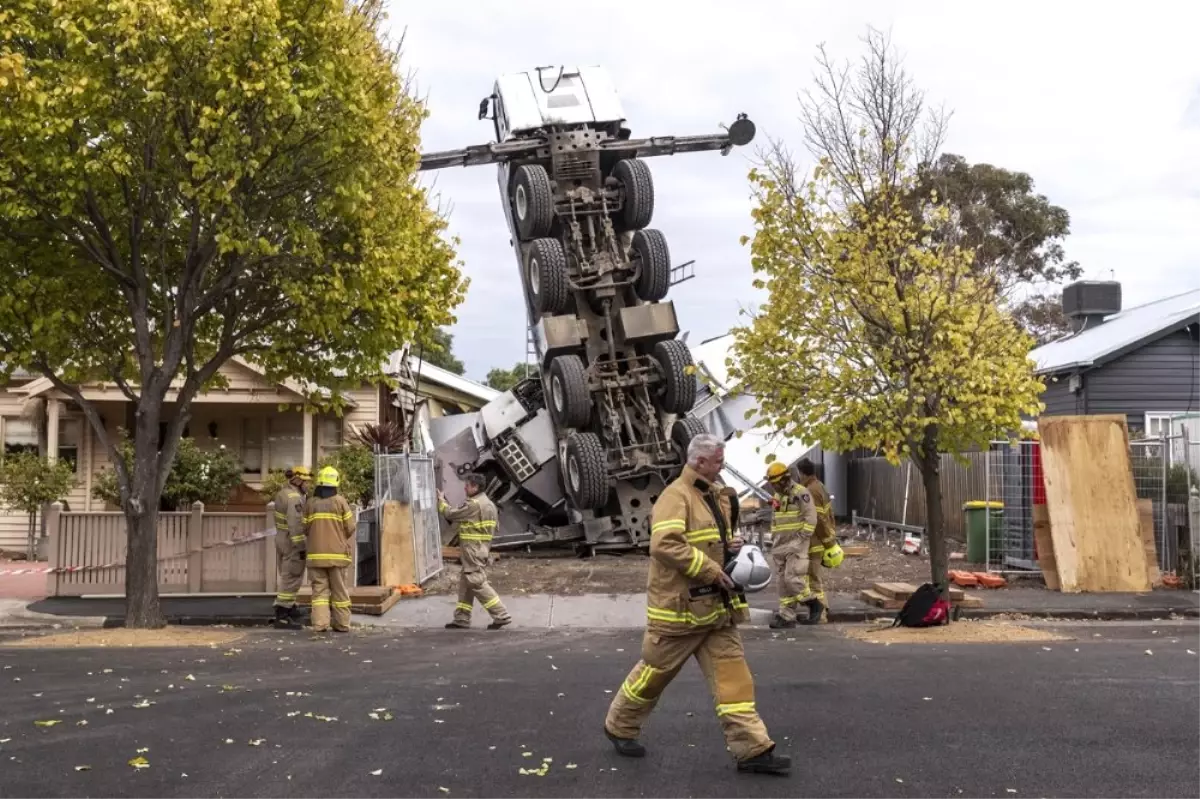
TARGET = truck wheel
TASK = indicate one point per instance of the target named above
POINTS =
(649, 247)
(634, 176)
(683, 431)
(678, 387)
(570, 400)
(532, 202)
(546, 267)
(586, 471)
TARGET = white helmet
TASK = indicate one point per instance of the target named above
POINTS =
(749, 569)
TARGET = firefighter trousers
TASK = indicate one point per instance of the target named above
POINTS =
(474, 585)
(815, 585)
(291, 576)
(791, 569)
(722, 660)
(330, 592)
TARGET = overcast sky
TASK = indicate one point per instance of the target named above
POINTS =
(1101, 108)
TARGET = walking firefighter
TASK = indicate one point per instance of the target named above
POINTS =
(823, 549)
(792, 527)
(474, 523)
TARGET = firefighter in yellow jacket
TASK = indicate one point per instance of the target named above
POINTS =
(475, 524)
(825, 535)
(692, 612)
(792, 527)
(289, 544)
(329, 529)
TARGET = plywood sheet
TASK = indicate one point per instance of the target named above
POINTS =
(1146, 528)
(1045, 547)
(1092, 504)
(397, 556)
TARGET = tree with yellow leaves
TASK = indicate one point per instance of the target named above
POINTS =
(182, 183)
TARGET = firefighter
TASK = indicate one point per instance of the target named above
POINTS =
(475, 524)
(329, 529)
(693, 609)
(289, 544)
(792, 526)
(825, 536)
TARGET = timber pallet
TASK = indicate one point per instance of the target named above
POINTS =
(892, 596)
(372, 600)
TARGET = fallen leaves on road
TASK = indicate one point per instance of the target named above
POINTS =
(376, 772)
(143, 703)
(139, 762)
(257, 741)
(48, 722)
(83, 768)
(967, 631)
(129, 638)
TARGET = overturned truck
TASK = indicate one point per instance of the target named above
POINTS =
(580, 452)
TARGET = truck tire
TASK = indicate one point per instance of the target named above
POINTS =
(570, 401)
(532, 202)
(678, 392)
(546, 268)
(586, 471)
(683, 431)
(649, 247)
(634, 176)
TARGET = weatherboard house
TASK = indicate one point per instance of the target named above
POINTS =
(1141, 362)
(261, 421)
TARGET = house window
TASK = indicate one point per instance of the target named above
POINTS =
(20, 435)
(70, 433)
(329, 435)
(1158, 425)
(285, 441)
(252, 454)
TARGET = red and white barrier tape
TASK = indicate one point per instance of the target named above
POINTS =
(73, 569)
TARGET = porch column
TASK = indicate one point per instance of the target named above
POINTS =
(53, 407)
(308, 439)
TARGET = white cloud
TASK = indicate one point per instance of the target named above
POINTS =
(1099, 107)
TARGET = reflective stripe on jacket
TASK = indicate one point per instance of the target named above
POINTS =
(826, 531)
(289, 516)
(686, 557)
(329, 527)
(474, 523)
(795, 520)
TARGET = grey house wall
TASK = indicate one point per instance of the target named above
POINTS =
(1160, 377)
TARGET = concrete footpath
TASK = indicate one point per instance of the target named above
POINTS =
(591, 611)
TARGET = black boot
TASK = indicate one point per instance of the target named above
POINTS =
(766, 763)
(283, 618)
(297, 614)
(626, 747)
(780, 623)
(453, 625)
(815, 610)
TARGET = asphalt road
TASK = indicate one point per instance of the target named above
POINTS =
(1097, 716)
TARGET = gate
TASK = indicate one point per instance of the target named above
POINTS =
(409, 480)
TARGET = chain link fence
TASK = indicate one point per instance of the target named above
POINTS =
(409, 480)
(1164, 473)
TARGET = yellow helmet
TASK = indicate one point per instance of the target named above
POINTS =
(776, 472)
(301, 472)
(833, 556)
(328, 477)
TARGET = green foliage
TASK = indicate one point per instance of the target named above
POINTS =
(276, 480)
(356, 463)
(439, 351)
(384, 437)
(197, 475)
(1042, 316)
(28, 481)
(504, 379)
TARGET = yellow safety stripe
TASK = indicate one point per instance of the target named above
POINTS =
(739, 604)
(483, 524)
(342, 603)
(697, 563)
(474, 537)
(669, 525)
(491, 603)
(816, 548)
(826, 508)
(285, 595)
(320, 602)
(735, 707)
(633, 691)
(324, 556)
(297, 539)
(802, 527)
(463, 606)
(330, 517)
(702, 535)
(686, 617)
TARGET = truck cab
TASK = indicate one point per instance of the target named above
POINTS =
(553, 97)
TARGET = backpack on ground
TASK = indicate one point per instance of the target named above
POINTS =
(925, 608)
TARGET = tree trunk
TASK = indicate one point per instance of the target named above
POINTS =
(31, 542)
(142, 609)
(935, 530)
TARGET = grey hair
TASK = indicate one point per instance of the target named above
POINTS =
(704, 445)
(476, 479)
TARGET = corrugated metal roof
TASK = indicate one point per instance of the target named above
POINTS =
(443, 377)
(1119, 331)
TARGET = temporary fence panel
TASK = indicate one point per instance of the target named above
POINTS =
(879, 490)
(1014, 480)
(410, 480)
